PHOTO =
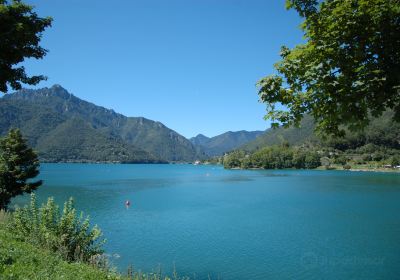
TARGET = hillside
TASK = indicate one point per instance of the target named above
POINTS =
(87, 143)
(382, 132)
(220, 144)
(63, 127)
(292, 135)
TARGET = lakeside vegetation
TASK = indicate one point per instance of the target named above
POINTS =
(368, 157)
(43, 243)
(274, 157)
(376, 147)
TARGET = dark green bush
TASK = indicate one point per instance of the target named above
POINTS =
(340, 160)
(395, 160)
(346, 167)
(366, 157)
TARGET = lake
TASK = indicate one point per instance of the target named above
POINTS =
(236, 224)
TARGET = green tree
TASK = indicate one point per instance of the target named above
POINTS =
(395, 160)
(312, 160)
(233, 159)
(341, 160)
(18, 164)
(348, 70)
(20, 33)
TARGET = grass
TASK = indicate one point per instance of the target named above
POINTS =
(21, 260)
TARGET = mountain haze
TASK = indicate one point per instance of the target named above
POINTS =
(63, 127)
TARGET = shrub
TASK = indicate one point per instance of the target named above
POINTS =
(326, 162)
(358, 160)
(395, 160)
(63, 232)
(366, 157)
(346, 167)
(340, 160)
(312, 160)
(378, 156)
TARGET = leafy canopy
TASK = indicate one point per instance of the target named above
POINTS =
(18, 164)
(348, 70)
(20, 33)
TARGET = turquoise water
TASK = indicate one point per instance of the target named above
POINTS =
(235, 224)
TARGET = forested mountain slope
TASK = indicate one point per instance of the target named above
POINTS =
(47, 116)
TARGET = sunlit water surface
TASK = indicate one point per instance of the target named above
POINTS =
(235, 224)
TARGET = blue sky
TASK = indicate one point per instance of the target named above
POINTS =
(190, 64)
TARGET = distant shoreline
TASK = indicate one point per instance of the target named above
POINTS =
(382, 170)
(104, 162)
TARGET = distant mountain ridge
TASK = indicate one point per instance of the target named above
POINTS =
(292, 135)
(228, 141)
(63, 127)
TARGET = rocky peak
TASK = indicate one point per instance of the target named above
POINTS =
(32, 94)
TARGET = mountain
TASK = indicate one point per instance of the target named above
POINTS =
(63, 127)
(75, 139)
(200, 140)
(220, 144)
(293, 135)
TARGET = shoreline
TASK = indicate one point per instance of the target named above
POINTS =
(382, 170)
(374, 170)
